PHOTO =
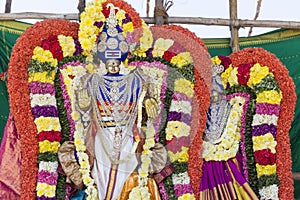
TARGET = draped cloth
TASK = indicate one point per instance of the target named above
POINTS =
(224, 180)
(10, 162)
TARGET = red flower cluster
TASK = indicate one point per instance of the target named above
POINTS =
(265, 157)
(168, 55)
(243, 73)
(53, 45)
(49, 135)
(225, 61)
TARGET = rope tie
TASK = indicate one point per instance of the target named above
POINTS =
(162, 10)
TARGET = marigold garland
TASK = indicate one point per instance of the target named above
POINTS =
(19, 95)
(287, 87)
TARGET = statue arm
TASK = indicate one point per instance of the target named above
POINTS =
(150, 102)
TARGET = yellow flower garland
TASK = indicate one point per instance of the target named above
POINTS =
(79, 141)
(47, 124)
(270, 96)
(44, 77)
(265, 170)
(266, 141)
(45, 189)
(184, 86)
(67, 45)
(47, 146)
(257, 73)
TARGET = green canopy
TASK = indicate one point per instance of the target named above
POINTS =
(285, 44)
(9, 33)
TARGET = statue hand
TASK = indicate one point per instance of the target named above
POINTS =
(151, 107)
(84, 100)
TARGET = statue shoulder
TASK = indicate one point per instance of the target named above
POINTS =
(141, 73)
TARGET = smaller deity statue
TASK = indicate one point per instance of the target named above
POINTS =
(222, 168)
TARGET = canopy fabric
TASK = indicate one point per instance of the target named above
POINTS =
(285, 44)
(9, 33)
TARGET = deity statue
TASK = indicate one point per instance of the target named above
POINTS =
(115, 109)
(223, 176)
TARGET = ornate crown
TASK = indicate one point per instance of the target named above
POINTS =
(111, 41)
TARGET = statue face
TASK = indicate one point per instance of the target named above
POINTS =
(215, 96)
(113, 66)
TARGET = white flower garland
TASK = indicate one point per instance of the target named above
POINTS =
(181, 106)
(42, 100)
(259, 119)
(79, 141)
(48, 166)
(269, 192)
(229, 142)
(181, 178)
(141, 191)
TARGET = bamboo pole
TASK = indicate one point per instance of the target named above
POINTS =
(234, 41)
(40, 16)
(159, 19)
(81, 6)
(175, 20)
(8, 6)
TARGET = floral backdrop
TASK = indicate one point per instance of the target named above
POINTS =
(33, 75)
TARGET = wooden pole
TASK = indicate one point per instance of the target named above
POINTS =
(8, 6)
(159, 19)
(234, 42)
(81, 6)
(176, 20)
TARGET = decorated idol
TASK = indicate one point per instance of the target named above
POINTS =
(117, 113)
(222, 168)
(111, 108)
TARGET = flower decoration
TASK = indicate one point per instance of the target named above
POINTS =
(176, 128)
(20, 98)
(229, 145)
(70, 75)
(275, 92)
(42, 70)
(141, 191)
(50, 44)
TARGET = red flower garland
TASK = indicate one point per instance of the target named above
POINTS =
(19, 95)
(287, 86)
